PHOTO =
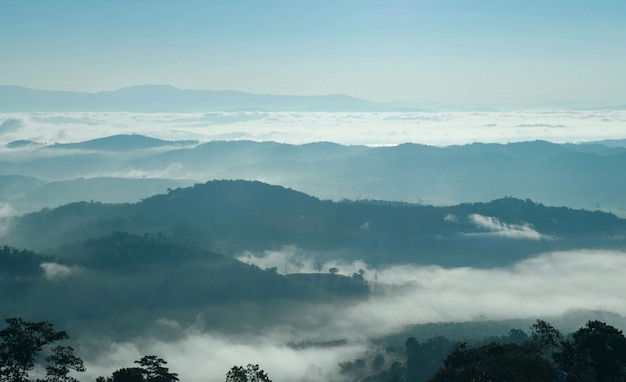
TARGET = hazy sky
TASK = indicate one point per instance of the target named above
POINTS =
(457, 51)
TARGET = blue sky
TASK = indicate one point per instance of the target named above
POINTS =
(448, 51)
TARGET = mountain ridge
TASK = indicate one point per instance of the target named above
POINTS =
(232, 216)
(166, 98)
(17, 98)
(575, 175)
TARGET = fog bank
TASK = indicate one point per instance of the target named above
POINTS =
(540, 287)
(348, 128)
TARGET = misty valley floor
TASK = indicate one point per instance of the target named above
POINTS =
(240, 271)
(321, 257)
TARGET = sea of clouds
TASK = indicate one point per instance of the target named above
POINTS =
(546, 285)
(349, 128)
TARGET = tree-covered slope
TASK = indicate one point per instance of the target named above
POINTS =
(575, 175)
(125, 282)
(233, 216)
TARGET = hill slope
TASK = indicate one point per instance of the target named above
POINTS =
(235, 216)
(125, 283)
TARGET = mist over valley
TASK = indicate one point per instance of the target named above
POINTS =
(207, 274)
(311, 243)
(328, 191)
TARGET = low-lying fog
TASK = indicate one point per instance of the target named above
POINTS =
(349, 128)
(541, 287)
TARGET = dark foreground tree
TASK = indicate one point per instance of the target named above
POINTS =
(495, 362)
(154, 369)
(21, 343)
(127, 374)
(61, 362)
(596, 352)
(544, 337)
(251, 373)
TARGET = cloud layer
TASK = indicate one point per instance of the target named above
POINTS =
(540, 287)
(356, 128)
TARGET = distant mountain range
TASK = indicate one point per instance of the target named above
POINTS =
(163, 98)
(166, 98)
(126, 168)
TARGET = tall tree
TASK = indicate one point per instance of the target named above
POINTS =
(544, 336)
(20, 344)
(596, 352)
(413, 355)
(154, 369)
(61, 362)
(251, 373)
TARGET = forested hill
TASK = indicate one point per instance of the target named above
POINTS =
(126, 168)
(233, 216)
(124, 283)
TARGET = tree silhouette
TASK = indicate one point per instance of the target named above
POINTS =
(251, 373)
(412, 347)
(20, 345)
(128, 374)
(61, 362)
(596, 352)
(544, 335)
(494, 362)
(154, 369)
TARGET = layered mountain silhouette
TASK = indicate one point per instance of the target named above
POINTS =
(234, 216)
(164, 98)
(125, 168)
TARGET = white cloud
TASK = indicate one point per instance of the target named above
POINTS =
(451, 218)
(544, 286)
(497, 228)
(362, 128)
(6, 212)
(9, 124)
(54, 271)
(208, 357)
(291, 259)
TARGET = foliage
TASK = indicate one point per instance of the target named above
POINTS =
(151, 369)
(61, 362)
(355, 367)
(251, 373)
(596, 352)
(19, 262)
(21, 343)
(378, 362)
(154, 369)
(494, 362)
(423, 359)
(233, 216)
(545, 337)
(128, 374)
